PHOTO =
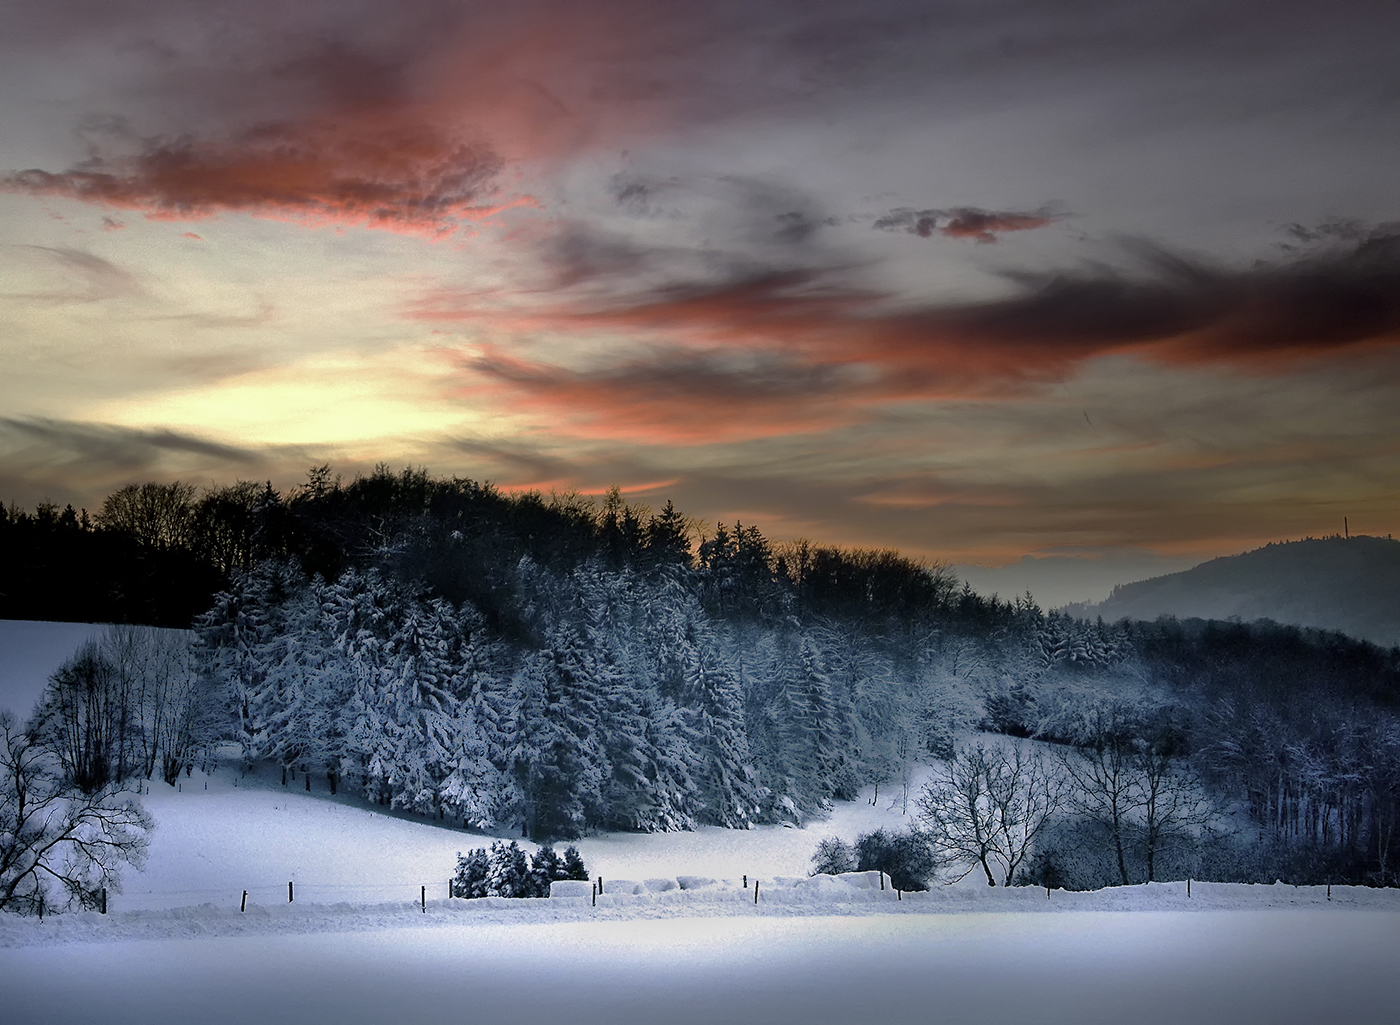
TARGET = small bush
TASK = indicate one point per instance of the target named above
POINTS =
(904, 857)
(833, 856)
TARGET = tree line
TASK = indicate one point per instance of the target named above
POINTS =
(555, 665)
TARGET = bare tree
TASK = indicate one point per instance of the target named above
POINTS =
(158, 515)
(1129, 774)
(1104, 781)
(1173, 800)
(59, 846)
(80, 717)
(987, 807)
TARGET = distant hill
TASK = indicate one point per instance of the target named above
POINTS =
(1332, 583)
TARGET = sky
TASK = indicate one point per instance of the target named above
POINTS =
(1085, 290)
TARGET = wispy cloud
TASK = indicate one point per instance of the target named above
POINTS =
(83, 278)
(678, 396)
(963, 222)
(797, 351)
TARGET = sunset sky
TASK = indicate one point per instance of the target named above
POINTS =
(1112, 282)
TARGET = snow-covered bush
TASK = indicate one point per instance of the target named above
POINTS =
(904, 857)
(506, 871)
(832, 857)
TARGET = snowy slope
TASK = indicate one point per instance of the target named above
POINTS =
(29, 652)
(355, 947)
(223, 833)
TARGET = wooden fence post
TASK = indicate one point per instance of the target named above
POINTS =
(1188, 886)
(600, 884)
(755, 891)
(243, 905)
(882, 880)
(289, 891)
(423, 898)
(104, 900)
(595, 895)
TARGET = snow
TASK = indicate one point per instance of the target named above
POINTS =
(226, 832)
(1279, 966)
(29, 652)
(686, 944)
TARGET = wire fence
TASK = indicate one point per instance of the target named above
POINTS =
(256, 894)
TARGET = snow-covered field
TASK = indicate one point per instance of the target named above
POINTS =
(29, 652)
(356, 947)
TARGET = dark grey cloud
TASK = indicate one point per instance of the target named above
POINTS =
(81, 462)
(116, 446)
(1167, 306)
(964, 222)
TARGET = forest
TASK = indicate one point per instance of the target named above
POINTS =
(548, 666)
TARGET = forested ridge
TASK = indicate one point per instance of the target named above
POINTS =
(555, 664)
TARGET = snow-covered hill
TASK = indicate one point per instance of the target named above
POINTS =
(220, 834)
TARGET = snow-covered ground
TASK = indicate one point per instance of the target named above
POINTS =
(1303, 966)
(29, 652)
(220, 834)
(356, 946)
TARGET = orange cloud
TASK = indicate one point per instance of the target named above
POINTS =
(407, 135)
(789, 352)
(367, 170)
(674, 398)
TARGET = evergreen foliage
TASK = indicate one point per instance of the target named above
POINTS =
(505, 870)
(551, 665)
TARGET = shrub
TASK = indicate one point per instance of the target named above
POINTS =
(833, 856)
(904, 857)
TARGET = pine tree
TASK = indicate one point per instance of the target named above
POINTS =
(573, 864)
(508, 874)
(473, 868)
(545, 867)
(726, 781)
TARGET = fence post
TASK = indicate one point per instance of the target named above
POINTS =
(600, 884)
(104, 900)
(1188, 886)
(1329, 889)
(746, 880)
(243, 905)
(595, 895)
(423, 897)
(289, 891)
(882, 880)
(755, 891)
